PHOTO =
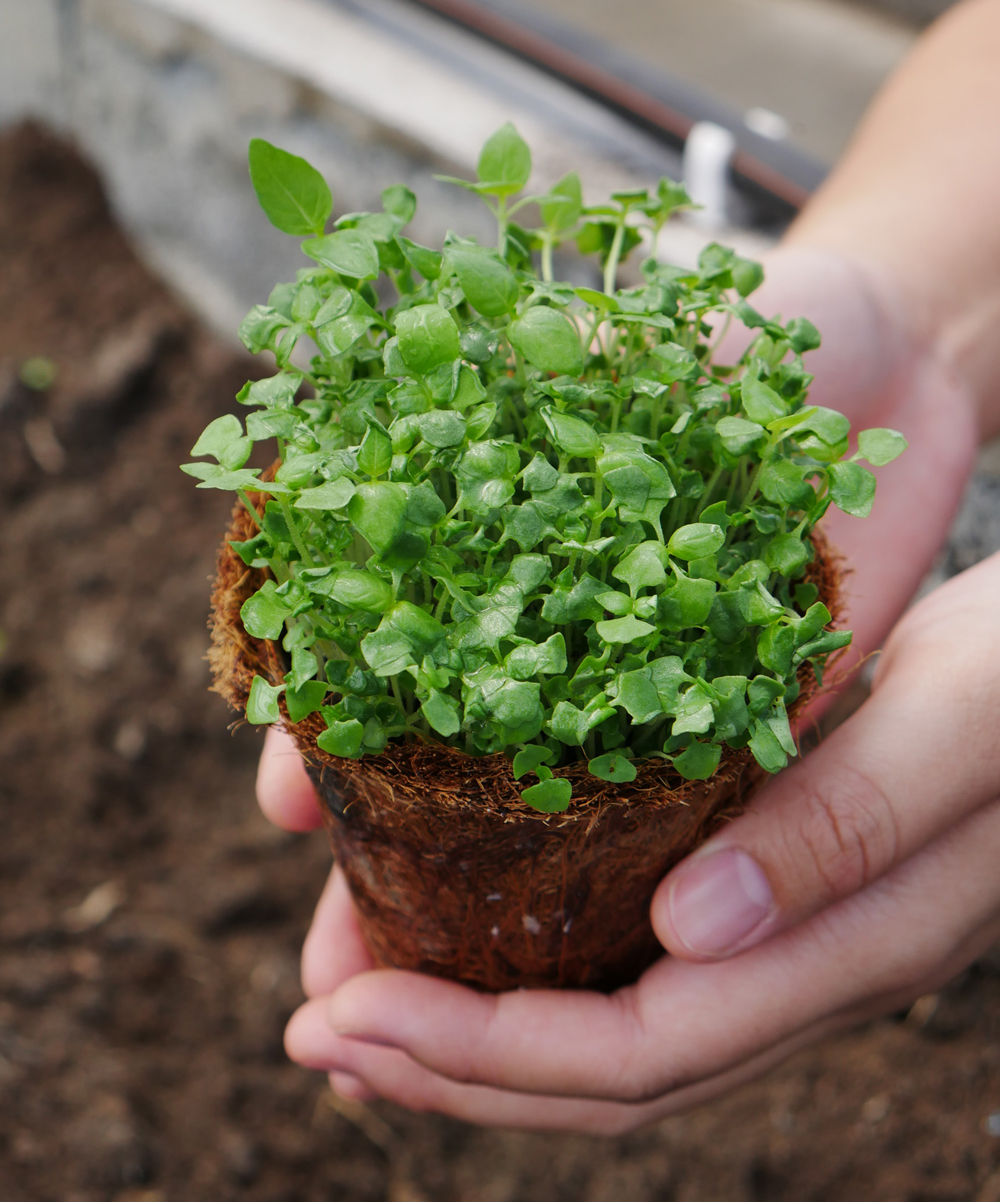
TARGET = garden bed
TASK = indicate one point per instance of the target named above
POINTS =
(150, 919)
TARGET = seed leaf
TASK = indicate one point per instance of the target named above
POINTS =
(549, 796)
(262, 703)
(548, 341)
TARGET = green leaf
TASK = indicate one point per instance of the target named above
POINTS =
(276, 391)
(738, 435)
(699, 761)
(623, 630)
(262, 703)
(549, 796)
(731, 713)
(259, 329)
(442, 428)
(802, 334)
(548, 340)
(422, 258)
(760, 402)
(306, 699)
(335, 494)
(638, 695)
(375, 452)
(218, 436)
(775, 648)
(784, 483)
(404, 636)
(786, 554)
(441, 711)
(504, 162)
(694, 710)
(852, 488)
(378, 512)
(823, 644)
(673, 362)
(532, 659)
(340, 325)
(766, 748)
(572, 434)
(291, 191)
(489, 285)
(361, 590)
(613, 767)
(263, 615)
(428, 337)
(762, 692)
(400, 202)
(696, 540)
(686, 603)
(562, 205)
(642, 567)
(342, 739)
(878, 445)
(747, 275)
(529, 759)
(348, 252)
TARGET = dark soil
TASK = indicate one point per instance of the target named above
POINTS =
(150, 919)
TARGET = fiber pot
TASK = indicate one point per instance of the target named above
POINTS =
(452, 874)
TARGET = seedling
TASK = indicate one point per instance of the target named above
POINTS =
(514, 515)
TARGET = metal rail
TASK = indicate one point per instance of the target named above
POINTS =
(775, 177)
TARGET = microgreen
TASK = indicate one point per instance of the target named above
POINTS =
(514, 515)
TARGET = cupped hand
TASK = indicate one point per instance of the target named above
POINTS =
(859, 879)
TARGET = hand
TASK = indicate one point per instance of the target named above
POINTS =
(583, 1060)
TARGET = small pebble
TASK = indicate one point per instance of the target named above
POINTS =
(531, 924)
(991, 1124)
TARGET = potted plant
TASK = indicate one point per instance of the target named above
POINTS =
(534, 582)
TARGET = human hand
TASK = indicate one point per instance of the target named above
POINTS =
(871, 869)
(870, 369)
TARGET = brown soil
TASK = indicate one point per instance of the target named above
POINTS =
(140, 1053)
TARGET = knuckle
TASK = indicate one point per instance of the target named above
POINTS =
(849, 829)
(639, 1076)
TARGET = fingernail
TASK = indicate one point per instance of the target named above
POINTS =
(718, 900)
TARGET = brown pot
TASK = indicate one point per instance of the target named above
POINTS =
(452, 874)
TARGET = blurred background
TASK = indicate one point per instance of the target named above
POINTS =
(150, 919)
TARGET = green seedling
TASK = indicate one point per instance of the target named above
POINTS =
(519, 516)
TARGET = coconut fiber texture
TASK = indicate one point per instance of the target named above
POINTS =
(453, 874)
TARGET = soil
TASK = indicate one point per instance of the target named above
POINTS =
(150, 919)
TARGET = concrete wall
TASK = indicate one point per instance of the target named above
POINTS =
(164, 95)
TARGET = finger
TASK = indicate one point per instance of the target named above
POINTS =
(284, 791)
(346, 1085)
(685, 1022)
(863, 348)
(392, 1075)
(913, 760)
(890, 552)
(334, 949)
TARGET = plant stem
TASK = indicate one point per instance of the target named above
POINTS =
(293, 530)
(611, 266)
(255, 516)
(547, 258)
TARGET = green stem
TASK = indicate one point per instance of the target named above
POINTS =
(293, 530)
(547, 257)
(255, 516)
(706, 496)
(502, 226)
(614, 255)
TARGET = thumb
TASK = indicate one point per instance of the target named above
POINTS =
(915, 759)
